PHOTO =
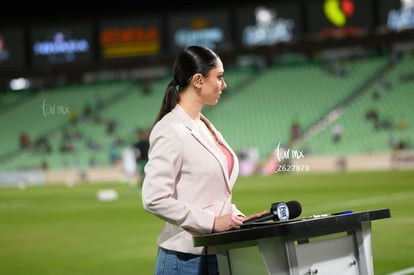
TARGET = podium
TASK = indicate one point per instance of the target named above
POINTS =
(324, 245)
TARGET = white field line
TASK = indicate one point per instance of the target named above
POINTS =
(403, 272)
(347, 205)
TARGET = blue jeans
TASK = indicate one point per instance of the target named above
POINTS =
(177, 263)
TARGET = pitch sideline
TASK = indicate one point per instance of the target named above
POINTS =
(406, 271)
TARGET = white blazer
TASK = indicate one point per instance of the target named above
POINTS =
(186, 181)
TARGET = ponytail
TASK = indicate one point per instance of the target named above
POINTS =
(169, 100)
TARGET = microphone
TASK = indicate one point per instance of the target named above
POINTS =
(279, 211)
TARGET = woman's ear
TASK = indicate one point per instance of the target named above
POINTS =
(198, 80)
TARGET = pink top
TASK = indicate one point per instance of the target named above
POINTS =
(229, 157)
(206, 129)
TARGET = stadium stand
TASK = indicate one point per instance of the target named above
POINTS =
(257, 110)
(378, 120)
(266, 108)
(45, 116)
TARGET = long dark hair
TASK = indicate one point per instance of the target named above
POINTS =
(192, 59)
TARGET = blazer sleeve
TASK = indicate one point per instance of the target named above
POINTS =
(161, 174)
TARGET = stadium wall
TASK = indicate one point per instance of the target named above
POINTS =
(116, 173)
(358, 162)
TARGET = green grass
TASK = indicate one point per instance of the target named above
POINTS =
(67, 230)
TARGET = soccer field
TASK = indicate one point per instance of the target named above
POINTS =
(63, 230)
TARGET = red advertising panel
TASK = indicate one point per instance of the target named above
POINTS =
(12, 52)
(129, 38)
(64, 46)
(206, 28)
(331, 18)
(268, 24)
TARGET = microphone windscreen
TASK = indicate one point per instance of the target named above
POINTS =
(295, 209)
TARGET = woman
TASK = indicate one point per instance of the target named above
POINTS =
(191, 170)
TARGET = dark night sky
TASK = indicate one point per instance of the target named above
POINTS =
(17, 12)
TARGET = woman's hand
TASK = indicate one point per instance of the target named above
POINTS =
(231, 221)
(256, 215)
(227, 222)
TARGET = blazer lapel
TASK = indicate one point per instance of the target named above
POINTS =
(210, 146)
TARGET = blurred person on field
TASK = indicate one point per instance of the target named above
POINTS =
(129, 164)
(141, 150)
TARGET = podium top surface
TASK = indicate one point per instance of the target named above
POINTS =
(296, 229)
